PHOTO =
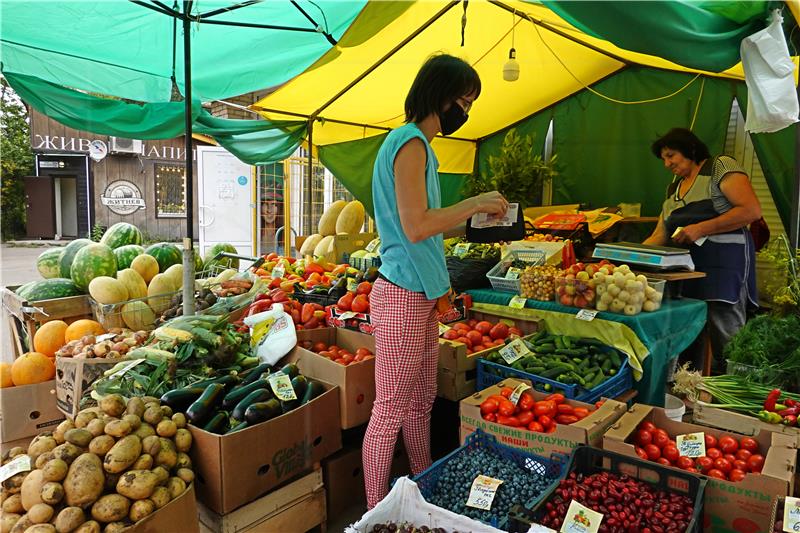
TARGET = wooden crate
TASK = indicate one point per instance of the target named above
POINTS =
(455, 386)
(298, 506)
(737, 422)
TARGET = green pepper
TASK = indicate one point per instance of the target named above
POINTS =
(769, 417)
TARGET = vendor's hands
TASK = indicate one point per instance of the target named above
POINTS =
(689, 234)
(491, 202)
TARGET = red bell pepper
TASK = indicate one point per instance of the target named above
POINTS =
(772, 399)
(261, 296)
(259, 307)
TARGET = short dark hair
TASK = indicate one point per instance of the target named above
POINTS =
(441, 80)
(685, 142)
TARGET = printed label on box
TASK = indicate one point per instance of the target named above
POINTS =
(691, 444)
(581, 519)
(282, 386)
(20, 463)
(513, 273)
(352, 285)
(482, 492)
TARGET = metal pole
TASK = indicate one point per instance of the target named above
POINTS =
(309, 180)
(188, 241)
(794, 216)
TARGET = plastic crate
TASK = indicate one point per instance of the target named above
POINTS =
(490, 373)
(587, 460)
(361, 263)
(536, 465)
(314, 298)
(497, 274)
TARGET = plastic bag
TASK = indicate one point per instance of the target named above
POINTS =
(469, 273)
(405, 504)
(769, 73)
(272, 334)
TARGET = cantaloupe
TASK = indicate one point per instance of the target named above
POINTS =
(351, 219)
(134, 282)
(328, 221)
(161, 284)
(138, 315)
(146, 266)
(325, 249)
(310, 244)
(175, 273)
(107, 290)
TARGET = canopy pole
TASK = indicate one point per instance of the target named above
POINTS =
(310, 178)
(188, 241)
(794, 216)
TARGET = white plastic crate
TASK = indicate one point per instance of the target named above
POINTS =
(497, 274)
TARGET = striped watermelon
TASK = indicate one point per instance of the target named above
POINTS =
(48, 263)
(198, 261)
(48, 289)
(69, 254)
(125, 255)
(225, 262)
(92, 261)
(166, 254)
(121, 234)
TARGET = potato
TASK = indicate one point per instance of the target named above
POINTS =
(160, 497)
(122, 455)
(179, 419)
(140, 509)
(133, 420)
(153, 415)
(135, 407)
(166, 428)
(183, 440)
(40, 513)
(101, 444)
(80, 437)
(67, 452)
(13, 452)
(115, 527)
(52, 493)
(144, 431)
(118, 428)
(13, 485)
(41, 444)
(83, 418)
(96, 427)
(7, 521)
(32, 489)
(44, 459)
(84, 481)
(151, 445)
(162, 473)
(137, 484)
(22, 524)
(167, 455)
(176, 486)
(151, 399)
(111, 508)
(88, 527)
(167, 410)
(69, 519)
(184, 461)
(144, 462)
(112, 404)
(13, 504)
(186, 474)
(55, 470)
(61, 429)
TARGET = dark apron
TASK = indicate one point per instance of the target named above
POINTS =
(726, 264)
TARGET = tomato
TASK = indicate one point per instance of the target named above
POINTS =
(566, 419)
(730, 457)
(365, 287)
(363, 351)
(526, 401)
(478, 348)
(512, 421)
(711, 441)
(339, 360)
(644, 437)
(581, 412)
(474, 337)
(714, 453)
(692, 470)
(685, 463)
(671, 453)
(545, 421)
(647, 426)
(359, 357)
(740, 464)
(551, 429)
(360, 304)
(557, 397)
(489, 406)
(465, 340)
(535, 426)
(460, 326)
(506, 392)
(660, 438)
(641, 453)
(490, 417)
(345, 302)
(499, 331)
(487, 341)
(320, 347)
(663, 461)
(544, 408)
(565, 409)
(525, 418)
(723, 464)
(496, 397)
(483, 327)
(716, 473)
(348, 358)
(728, 444)
(471, 323)
(327, 354)
(750, 444)
(755, 463)
(506, 408)
(514, 331)
(704, 464)
(451, 334)
(653, 452)
(743, 454)
(737, 475)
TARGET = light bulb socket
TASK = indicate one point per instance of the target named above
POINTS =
(512, 54)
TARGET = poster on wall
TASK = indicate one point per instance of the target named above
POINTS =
(122, 197)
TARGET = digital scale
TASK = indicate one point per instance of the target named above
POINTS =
(645, 255)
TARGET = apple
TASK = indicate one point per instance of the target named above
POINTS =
(580, 301)
(583, 276)
(570, 289)
(566, 299)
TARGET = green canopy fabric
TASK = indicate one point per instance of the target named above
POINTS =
(703, 35)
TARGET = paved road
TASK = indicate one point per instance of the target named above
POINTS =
(18, 264)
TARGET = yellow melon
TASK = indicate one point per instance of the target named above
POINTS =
(32, 367)
(146, 266)
(328, 220)
(309, 244)
(49, 338)
(134, 282)
(81, 328)
(325, 249)
(351, 219)
(138, 315)
(161, 284)
(175, 273)
(5, 376)
(107, 290)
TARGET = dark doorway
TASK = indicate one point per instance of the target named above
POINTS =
(40, 207)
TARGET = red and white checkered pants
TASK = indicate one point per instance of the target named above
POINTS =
(406, 357)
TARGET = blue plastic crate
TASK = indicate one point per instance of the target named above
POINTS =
(552, 468)
(490, 373)
(361, 263)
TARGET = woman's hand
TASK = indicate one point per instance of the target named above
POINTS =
(689, 234)
(491, 202)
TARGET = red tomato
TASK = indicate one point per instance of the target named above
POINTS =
(514, 331)
(471, 323)
(647, 426)
(660, 438)
(363, 351)
(487, 340)
(750, 444)
(508, 421)
(716, 473)
(489, 406)
(641, 453)
(546, 421)
(483, 327)
(663, 461)
(714, 453)
(475, 337)
(737, 475)
(565, 409)
(730, 457)
(653, 452)
(499, 331)
(728, 444)
(685, 463)
(711, 441)
(671, 453)
(739, 464)
(348, 358)
(465, 340)
(535, 426)
(490, 417)
(704, 464)
(755, 463)
(581, 412)
(506, 408)
(460, 326)
(478, 348)
(452, 334)
(743, 454)
(365, 287)
(644, 437)
(692, 470)
(327, 354)
(556, 397)
(506, 392)
(525, 418)
(544, 408)
(723, 464)
(340, 361)
(320, 347)
(526, 401)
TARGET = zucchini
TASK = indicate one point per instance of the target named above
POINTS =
(291, 370)
(237, 427)
(262, 411)
(258, 395)
(255, 373)
(299, 384)
(227, 380)
(203, 406)
(180, 399)
(314, 389)
(218, 423)
(241, 391)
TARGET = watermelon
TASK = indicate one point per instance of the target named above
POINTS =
(69, 254)
(166, 254)
(125, 255)
(48, 289)
(198, 261)
(121, 234)
(48, 263)
(92, 261)
(225, 262)
(22, 289)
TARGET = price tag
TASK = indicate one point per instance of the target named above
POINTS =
(518, 390)
(791, 514)
(443, 328)
(282, 386)
(347, 314)
(514, 350)
(691, 444)
(517, 302)
(352, 284)
(373, 245)
(124, 368)
(482, 492)
(513, 273)
(586, 314)
(105, 337)
(461, 249)
(581, 519)
(278, 271)
(20, 463)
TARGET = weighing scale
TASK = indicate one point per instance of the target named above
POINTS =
(645, 255)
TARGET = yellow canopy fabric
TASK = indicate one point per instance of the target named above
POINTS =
(359, 91)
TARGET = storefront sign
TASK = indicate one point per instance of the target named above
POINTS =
(122, 197)
(44, 143)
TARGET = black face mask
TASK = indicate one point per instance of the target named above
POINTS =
(452, 119)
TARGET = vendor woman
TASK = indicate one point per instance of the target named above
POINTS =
(710, 198)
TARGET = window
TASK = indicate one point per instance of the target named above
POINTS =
(170, 191)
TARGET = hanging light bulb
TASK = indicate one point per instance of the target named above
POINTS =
(511, 68)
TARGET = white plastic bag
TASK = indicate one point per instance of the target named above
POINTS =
(769, 73)
(272, 334)
(405, 504)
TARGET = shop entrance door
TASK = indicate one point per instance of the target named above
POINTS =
(40, 207)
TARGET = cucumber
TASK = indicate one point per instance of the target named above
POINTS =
(556, 370)
(615, 360)
(255, 373)
(258, 395)
(262, 411)
(241, 391)
(180, 399)
(204, 405)
(218, 423)
(545, 348)
(314, 389)
(238, 427)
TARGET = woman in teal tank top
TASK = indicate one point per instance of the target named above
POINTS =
(413, 274)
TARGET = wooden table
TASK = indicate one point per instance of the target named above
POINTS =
(680, 275)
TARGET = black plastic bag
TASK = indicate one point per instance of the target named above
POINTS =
(469, 273)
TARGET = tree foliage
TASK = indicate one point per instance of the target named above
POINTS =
(16, 161)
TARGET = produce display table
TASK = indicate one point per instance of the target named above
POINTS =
(652, 339)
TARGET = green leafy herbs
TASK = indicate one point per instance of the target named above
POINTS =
(771, 344)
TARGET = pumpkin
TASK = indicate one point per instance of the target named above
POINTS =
(32, 367)
(81, 328)
(5, 375)
(50, 337)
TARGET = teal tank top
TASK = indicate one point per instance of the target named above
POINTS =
(418, 267)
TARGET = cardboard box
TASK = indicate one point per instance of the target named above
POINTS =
(178, 515)
(28, 410)
(232, 470)
(22, 443)
(349, 320)
(589, 431)
(74, 376)
(356, 381)
(454, 386)
(737, 422)
(742, 506)
(345, 243)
